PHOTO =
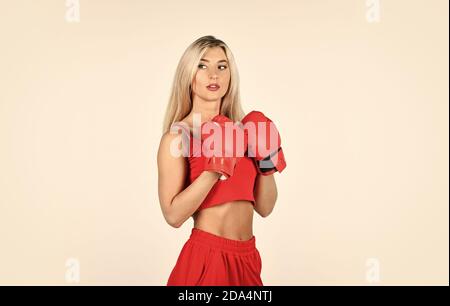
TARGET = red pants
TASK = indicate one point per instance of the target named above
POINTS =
(210, 260)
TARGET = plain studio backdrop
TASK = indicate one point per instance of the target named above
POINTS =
(358, 90)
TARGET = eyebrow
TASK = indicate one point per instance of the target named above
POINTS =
(221, 61)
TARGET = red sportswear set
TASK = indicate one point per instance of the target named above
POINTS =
(210, 260)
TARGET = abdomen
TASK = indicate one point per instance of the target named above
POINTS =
(232, 220)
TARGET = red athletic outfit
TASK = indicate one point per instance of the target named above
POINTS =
(210, 260)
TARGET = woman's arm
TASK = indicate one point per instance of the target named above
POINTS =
(266, 194)
(177, 204)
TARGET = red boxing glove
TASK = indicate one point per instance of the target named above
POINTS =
(231, 146)
(264, 143)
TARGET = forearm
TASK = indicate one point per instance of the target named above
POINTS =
(265, 194)
(187, 202)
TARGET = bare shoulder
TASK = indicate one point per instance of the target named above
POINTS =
(187, 124)
(174, 144)
(168, 139)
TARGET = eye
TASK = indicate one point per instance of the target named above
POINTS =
(221, 67)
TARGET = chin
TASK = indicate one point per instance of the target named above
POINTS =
(214, 96)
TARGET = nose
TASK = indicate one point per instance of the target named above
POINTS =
(213, 74)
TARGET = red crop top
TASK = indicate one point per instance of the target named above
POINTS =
(237, 187)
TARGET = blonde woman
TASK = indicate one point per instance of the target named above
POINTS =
(219, 191)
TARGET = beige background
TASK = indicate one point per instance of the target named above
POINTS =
(362, 109)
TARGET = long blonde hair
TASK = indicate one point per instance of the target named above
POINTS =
(180, 102)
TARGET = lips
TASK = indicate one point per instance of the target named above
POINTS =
(213, 86)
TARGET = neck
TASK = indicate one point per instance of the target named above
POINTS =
(207, 109)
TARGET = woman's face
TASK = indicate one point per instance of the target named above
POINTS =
(212, 69)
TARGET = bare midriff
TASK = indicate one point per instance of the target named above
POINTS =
(232, 220)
